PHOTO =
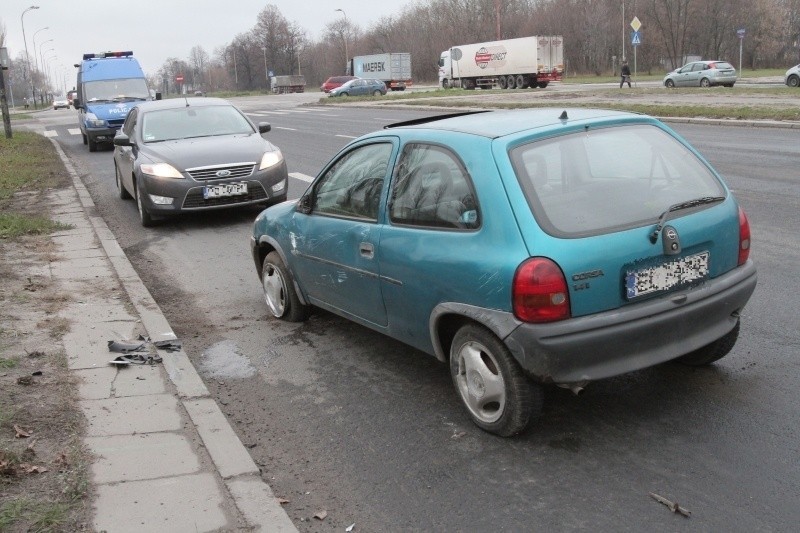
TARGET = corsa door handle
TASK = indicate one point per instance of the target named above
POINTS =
(366, 249)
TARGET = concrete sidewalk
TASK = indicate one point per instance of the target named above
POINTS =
(166, 458)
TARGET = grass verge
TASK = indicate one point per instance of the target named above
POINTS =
(29, 166)
(747, 103)
(44, 466)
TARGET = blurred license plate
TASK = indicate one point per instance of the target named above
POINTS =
(666, 276)
(228, 189)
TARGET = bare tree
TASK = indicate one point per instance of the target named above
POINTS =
(671, 19)
(198, 58)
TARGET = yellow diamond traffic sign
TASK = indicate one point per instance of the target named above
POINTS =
(636, 24)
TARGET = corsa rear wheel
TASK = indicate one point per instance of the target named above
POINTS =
(497, 395)
(712, 352)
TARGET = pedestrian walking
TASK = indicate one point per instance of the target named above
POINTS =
(625, 72)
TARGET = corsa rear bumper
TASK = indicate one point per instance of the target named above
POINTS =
(634, 337)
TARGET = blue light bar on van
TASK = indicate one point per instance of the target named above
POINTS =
(102, 55)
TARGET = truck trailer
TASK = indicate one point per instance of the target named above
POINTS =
(394, 69)
(509, 64)
(288, 84)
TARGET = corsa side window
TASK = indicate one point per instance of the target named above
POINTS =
(352, 186)
(432, 189)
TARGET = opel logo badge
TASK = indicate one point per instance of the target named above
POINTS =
(223, 173)
(672, 234)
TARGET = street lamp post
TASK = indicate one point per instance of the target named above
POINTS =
(34, 45)
(266, 72)
(344, 35)
(27, 57)
(46, 72)
(42, 51)
(42, 58)
(41, 54)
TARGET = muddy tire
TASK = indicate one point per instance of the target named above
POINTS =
(711, 352)
(493, 389)
(279, 293)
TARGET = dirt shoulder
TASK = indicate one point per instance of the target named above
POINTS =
(44, 468)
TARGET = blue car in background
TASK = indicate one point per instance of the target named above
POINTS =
(521, 248)
(360, 87)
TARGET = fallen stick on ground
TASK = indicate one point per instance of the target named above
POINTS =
(672, 506)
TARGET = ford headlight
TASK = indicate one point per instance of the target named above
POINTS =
(161, 170)
(270, 159)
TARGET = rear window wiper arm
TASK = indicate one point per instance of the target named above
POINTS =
(678, 207)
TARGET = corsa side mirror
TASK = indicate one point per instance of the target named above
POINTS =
(304, 204)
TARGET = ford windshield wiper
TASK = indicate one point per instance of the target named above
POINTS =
(678, 207)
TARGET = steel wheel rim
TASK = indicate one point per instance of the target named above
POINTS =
(274, 290)
(482, 387)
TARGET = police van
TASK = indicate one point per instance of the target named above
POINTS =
(109, 85)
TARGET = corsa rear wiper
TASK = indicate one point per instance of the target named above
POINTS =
(678, 207)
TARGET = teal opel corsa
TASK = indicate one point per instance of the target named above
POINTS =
(522, 248)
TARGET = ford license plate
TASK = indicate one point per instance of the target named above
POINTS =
(666, 276)
(227, 189)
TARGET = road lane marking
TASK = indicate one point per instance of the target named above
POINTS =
(347, 136)
(50, 133)
(282, 128)
(74, 131)
(301, 177)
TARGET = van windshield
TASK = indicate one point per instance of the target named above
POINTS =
(116, 90)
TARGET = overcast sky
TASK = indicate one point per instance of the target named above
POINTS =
(157, 29)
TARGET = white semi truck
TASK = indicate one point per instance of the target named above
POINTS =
(509, 64)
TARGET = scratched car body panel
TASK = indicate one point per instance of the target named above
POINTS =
(521, 247)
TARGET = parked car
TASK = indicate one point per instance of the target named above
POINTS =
(360, 87)
(792, 76)
(334, 82)
(702, 74)
(519, 247)
(60, 103)
(180, 155)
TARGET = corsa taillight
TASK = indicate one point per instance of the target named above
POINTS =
(744, 237)
(540, 291)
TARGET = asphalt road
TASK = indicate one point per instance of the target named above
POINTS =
(345, 420)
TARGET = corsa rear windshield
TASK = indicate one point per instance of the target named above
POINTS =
(609, 179)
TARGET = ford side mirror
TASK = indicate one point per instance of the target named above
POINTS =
(76, 103)
(120, 139)
(264, 127)
(158, 96)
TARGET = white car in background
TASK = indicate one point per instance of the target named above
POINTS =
(792, 76)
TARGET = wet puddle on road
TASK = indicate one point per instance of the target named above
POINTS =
(223, 360)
